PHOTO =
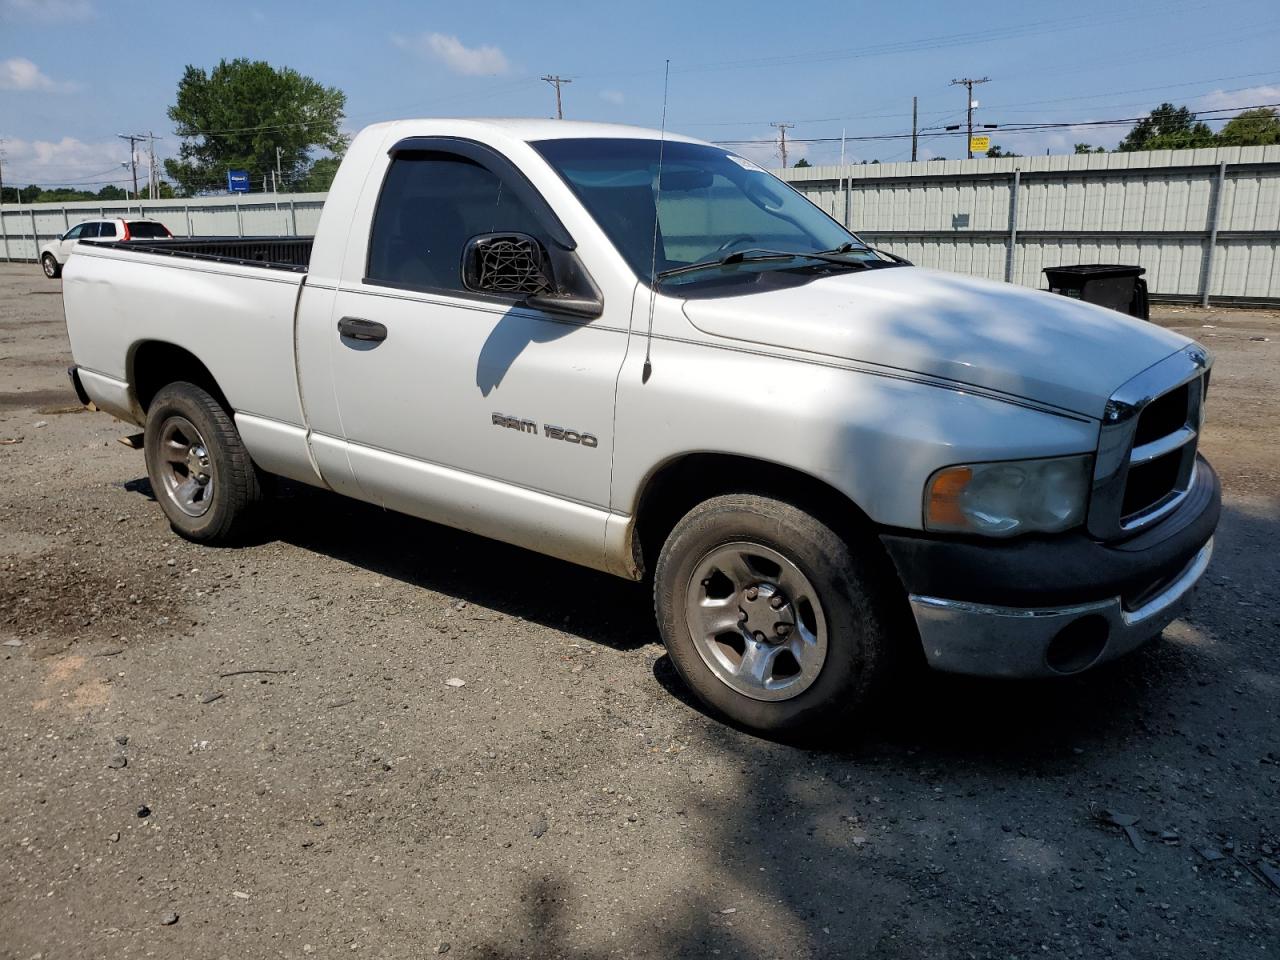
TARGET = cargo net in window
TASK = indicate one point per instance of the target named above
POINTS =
(513, 264)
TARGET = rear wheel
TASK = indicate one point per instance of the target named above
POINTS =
(201, 473)
(772, 618)
(52, 269)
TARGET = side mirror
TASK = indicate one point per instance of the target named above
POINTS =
(506, 263)
(518, 263)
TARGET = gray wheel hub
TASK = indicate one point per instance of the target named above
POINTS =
(185, 469)
(756, 621)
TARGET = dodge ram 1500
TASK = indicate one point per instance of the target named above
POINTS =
(646, 355)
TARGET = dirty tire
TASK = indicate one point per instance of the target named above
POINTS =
(52, 268)
(237, 486)
(853, 593)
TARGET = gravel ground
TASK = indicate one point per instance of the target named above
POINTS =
(258, 752)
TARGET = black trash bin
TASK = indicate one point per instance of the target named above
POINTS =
(1108, 285)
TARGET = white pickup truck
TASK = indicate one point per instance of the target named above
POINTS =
(646, 355)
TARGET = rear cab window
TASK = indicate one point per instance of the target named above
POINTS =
(148, 230)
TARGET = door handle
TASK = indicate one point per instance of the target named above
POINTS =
(357, 328)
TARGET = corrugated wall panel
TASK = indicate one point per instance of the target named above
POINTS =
(1159, 205)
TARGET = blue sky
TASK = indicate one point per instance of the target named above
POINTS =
(74, 73)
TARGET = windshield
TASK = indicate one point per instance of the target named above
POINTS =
(712, 203)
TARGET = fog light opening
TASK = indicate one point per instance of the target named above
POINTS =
(1078, 645)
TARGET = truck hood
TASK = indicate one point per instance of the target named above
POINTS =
(1032, 345)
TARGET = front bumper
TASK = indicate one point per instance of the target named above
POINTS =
(1049, 606)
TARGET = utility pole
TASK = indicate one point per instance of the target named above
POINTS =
(2, 178)
(276, 182)
(782, 136)
(133, 138)
(556, 81)
(915, 102)
(969, 83)
(153, 178)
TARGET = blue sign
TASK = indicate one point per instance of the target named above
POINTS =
(238, 181)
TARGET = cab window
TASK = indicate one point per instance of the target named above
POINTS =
(431, 204)
(107, 230)
(75, 233)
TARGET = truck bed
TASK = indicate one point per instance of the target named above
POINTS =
(273, 253)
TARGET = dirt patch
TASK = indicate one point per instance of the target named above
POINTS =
(54, 598)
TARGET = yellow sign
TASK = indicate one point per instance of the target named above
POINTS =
(979, 144)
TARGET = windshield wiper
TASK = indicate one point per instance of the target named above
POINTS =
(757, 255)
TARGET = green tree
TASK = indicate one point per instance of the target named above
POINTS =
(1089, 148)
(995, 151)
(1167, 128)
(320, 177)
(1252, 128)
(237, 116)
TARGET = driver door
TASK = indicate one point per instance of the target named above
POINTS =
(474, 409)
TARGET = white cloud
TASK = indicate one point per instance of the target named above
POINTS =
(454, 54)
(65, 161)
(19, 73)
(612, 96)
(1236, 99)
(48, 11)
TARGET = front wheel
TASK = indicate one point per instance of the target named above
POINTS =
(52, 268)
(201, 473)
(772, 618)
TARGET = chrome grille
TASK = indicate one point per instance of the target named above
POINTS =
(1147, 445)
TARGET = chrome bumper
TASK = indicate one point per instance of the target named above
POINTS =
(978, 639)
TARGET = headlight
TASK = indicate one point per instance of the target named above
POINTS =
(1004, 499)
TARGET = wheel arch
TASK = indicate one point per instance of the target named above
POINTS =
(678, 484)
(154, 364)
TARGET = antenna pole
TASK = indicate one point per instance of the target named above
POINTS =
(782, 133)
(647, 369)
(556, 82)
(843, 171)
(915, 134)
(969, 83)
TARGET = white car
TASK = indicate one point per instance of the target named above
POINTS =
(650, 357)
(54, 254)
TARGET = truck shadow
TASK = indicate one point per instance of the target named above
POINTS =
(997, 721)
(593, 606)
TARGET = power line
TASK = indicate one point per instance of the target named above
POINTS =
(1016, 128)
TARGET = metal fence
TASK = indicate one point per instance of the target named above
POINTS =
(1204, 223)
(24, 228)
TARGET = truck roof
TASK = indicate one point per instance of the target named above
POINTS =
(532, 129)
